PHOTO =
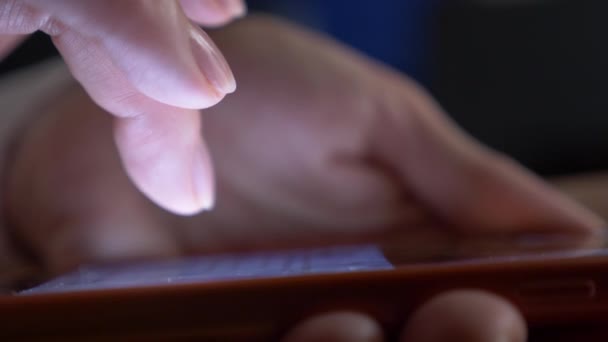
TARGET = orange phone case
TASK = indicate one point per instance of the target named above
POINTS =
(560, 297)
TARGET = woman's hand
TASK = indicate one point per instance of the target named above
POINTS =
(319, 145)
(146, 63)
(460, 315)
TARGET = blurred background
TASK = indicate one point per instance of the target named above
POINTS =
(527, 77)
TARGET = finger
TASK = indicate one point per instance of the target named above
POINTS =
(465, 184)
(9, 42)
(462, 315)
(16, 17)
(213, 12)
(336, 327)
(160, 145)
(142, 58)
(151, 43)
(71, 202)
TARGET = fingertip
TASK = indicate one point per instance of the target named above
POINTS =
(579, 218)
(186, 190)
(202, 181)
(550, 210)
(165, 157)
(466, 315)
(336, 327)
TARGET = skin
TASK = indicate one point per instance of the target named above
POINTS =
(587, 188)
(119, 51)
(319, 145)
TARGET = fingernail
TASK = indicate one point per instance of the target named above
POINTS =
(202, 179)
(211, 62)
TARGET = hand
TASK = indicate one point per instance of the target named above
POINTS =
(461, 315)
(318, 145)
(149, 66)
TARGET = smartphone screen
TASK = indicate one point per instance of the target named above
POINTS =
(221, 267)
(421, 250)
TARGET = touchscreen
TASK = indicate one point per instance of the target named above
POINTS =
(221, 267)
(420, 250)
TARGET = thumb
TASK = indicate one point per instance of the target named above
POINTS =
(466, 185)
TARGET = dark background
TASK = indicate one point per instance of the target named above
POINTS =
(529, 79)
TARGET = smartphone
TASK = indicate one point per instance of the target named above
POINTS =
(258, 296)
